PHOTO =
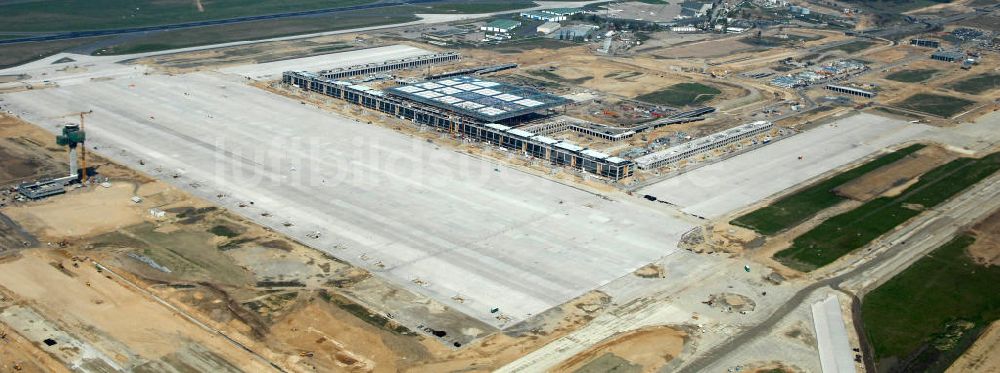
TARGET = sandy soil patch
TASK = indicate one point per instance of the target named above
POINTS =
(982, 356)
(321, 337)
(986, 249)
(650, 348)
(91, 304)
(18, 354)
(494, 351)
(706, 49)
(81, 213)
(891, 177)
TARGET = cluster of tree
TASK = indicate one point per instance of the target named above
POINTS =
(565, 35)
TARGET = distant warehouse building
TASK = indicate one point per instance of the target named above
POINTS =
(684, 29)
(850, 90)
(948, 56)
(502, 26)
(551, 15)
(925, 43)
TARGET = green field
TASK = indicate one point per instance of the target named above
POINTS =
(256, 30)
(977, 84)
(75, 15)
(934, 104)
(796, 208)
(682, 94)
(912, 76)
(854, 46)
(917, 317)
(854, 229)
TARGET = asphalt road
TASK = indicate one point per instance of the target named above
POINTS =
(214, 22)
(924, 236)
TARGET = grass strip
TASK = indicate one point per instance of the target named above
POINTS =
(926, 316)
(796, 208)
(854, 229)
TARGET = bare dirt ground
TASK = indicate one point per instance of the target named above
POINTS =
(893, 92)
(982, 356)
(986, 249)
(990, 22)
(296, 307)
(650, 348)
(19, 159)
(706, 49)
(609, 76)
(104, 312)
(960, 6)
(101, 209)
(893, 176)
(772, 367)
(18, 354)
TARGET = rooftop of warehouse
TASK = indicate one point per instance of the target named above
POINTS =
(481, 99)
(503, 23)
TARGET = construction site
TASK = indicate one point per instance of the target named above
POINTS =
(653, 197)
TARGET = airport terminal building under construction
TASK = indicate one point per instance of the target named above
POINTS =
(704, 144)
(480, 109)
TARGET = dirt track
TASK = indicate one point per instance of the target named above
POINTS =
(650, 348)
(892, 177)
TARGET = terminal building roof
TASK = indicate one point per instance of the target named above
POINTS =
(481, 99)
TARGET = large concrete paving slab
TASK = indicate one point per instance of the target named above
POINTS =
(431, 219)
(273, 70)
(831, 337)
(720, 188)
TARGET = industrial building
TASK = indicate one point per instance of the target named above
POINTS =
(484, 100)
(543, 16)
(41, 189)
(787, 82)
(551, 15)
(850, 90)
(469, 106)
(390, 65)
(700, 145)
(948, 56)
(925, 43)
(502, 26)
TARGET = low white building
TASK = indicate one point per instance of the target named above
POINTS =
(502, 26)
